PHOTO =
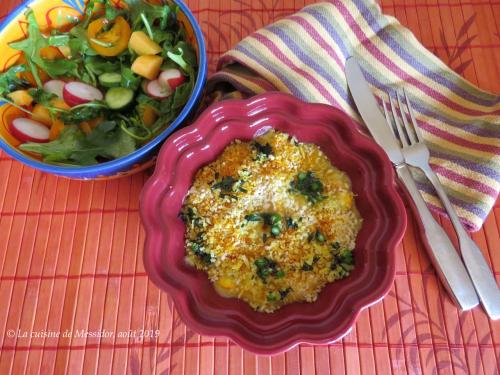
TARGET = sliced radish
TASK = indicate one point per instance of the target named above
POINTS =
(172, 78)
(27, 130)
(158, 91)
(76, 93)
(55, 87)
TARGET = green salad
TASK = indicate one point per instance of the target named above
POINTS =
(102, 87)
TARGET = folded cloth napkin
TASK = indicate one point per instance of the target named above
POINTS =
(304, 55)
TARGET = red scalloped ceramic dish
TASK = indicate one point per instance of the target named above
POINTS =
(338, 305)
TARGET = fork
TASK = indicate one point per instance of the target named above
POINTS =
(417, 154)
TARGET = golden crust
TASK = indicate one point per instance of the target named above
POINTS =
(226, 244)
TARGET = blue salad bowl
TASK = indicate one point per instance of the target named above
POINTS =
(55, 14)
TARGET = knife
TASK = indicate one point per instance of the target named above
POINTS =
(442, 253)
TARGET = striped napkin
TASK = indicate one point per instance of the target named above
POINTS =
(305, 54)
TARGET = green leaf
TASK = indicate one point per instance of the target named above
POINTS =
(42, 97)
(111, 11)
(31, 47)
(189, 53)
(111, 141)
(154, 14)
(59, 40)
(60, 149)
(164, 37)
(182, 94)
(79, 43)
(130, 79)
(99, 65)
(178, 58)
(83, 112)
(183, 54)
(107, 141)
(9, 81)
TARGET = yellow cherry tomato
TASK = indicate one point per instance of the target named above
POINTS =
(111, 42)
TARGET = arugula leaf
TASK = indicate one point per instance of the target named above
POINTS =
(181, 94)
(79, 43)
(189, 53)
(179, 59)
(130, 79)
(89, 12)
(31, 47)
(84, 112)
(165, 37)
(111, 141)
(9, 80)
(183, 55)
(145, 100)
(140, 9)
(59, 40)
(107, 141)
(111, 11)
(42, 97)
(60, 67)
(59, 149)
(99, 65)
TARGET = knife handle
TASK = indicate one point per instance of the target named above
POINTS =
(479, 270)
(444, 257)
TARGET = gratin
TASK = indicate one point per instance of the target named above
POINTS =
(271, 221)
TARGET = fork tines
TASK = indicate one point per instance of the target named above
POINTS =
(407, 133)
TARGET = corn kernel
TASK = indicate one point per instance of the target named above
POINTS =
(226, 283)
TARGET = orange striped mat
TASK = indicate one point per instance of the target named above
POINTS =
(74, 297)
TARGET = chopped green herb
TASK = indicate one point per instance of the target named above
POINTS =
(263, 151)
(290, 223)
(271, 296)
(284, 292)
(319, 236)
(267, 267)
(253, 217)
(261, 262)
(272, 220)
(198, 248)
(275, 218)
(307, 267)
(308, 185)
(226, 184)
(344, 259)
(189, 216)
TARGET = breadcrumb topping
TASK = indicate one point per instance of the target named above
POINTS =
(271, 222)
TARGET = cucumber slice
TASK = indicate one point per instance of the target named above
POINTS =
(110, 79)
(119, 97)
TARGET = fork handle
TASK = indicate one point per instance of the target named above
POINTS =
(479, 270)
(444, 257)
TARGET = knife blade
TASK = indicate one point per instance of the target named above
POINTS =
(445, 258)
(370, 111)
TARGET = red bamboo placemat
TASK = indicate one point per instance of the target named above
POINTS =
(71, 252)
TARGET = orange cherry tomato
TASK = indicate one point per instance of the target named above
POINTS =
(111, 42)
